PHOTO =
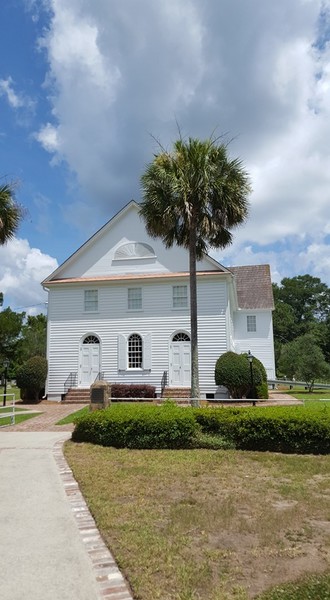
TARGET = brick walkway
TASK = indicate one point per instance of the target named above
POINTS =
(52, 412)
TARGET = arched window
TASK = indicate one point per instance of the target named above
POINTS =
(91, 339)
(181, 337)
(134, 351)
(134, 250)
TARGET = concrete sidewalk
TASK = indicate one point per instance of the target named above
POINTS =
(50, 548)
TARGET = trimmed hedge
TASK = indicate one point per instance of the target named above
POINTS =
(291, 429)
(138, 427)
(277, 429)
(311, 587)
(132, 390)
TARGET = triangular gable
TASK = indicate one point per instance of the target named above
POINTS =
(122, 246)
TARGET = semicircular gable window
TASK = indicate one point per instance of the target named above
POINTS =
(181, 337)
(134, 250)
(91, 339)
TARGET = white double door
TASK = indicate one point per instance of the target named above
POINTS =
(89, 364)
(180, 364)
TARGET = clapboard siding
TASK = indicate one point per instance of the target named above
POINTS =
(260, 343)
(68, 324)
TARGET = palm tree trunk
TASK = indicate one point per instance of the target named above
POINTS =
(193, 319)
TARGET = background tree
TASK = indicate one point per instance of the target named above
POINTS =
(302, 305)
(10, 329)
(10, 216)
(304, 360)
(33, 338)
(31, 378)
(193, 196)
(10, 213)
(308, 297)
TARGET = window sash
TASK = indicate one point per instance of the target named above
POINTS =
(91, 301)
(180, 296)
(134, 298)
(251, 323)
(135, 351)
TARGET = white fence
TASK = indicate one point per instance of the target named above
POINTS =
(9, 410)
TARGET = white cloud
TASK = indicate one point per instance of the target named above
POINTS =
(259, 70)
(22, 268)
(48, 138)
(14, 99)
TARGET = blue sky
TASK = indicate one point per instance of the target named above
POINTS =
(83, 85)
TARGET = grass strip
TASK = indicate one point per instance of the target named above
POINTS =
(74, 415)
(19, 418)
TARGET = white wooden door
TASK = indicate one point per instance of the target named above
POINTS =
(89, 364)
(180, 360)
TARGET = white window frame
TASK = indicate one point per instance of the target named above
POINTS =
(135, 352)
(251, 323)
(91, 300)
(179, 296)
(123, 352)
(134, 298)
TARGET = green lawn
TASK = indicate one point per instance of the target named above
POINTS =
(20, 415)
(211, 525)
(10, 390)
(305, 396)
(70, 418)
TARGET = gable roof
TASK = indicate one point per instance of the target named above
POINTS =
(253, 286)
(132, 205)
(91, 240)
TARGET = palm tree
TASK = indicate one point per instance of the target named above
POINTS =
(193, 196)
(10, 213)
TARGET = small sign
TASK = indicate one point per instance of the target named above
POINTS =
(97, 395)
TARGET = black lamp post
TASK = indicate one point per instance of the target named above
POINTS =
(250, 357)
(6, 365)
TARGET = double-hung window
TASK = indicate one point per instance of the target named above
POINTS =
(180, 296)
(135, 351)
(251, 323)
(91, 301)
(134, 298)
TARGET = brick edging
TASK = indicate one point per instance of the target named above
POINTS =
(109, 579)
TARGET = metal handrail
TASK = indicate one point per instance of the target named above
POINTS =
(163, 382)
(71, 381)
(293, 382)
(99, 376)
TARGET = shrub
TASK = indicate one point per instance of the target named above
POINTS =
(277, 429)
(132, 390)
(138, 427)
(31, 377)
(260, 389)
(232, 370)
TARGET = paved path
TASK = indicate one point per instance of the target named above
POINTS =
(51, 413)
(49, 545)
